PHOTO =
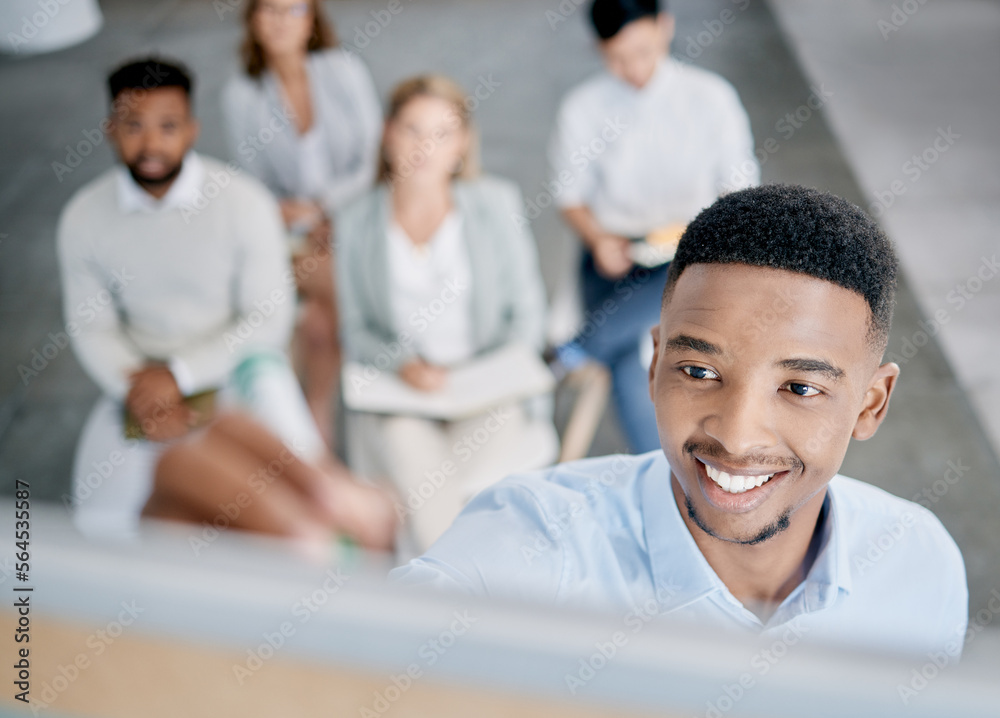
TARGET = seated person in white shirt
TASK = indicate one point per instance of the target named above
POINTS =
(767, 362)
(643, 146)
(173, 270)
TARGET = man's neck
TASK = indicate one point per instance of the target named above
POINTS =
(763, 575)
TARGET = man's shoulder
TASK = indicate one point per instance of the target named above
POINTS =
(593, 92)
(606, 487)
(88, 207)
(703, 85)
(873, 517)
(97, 195)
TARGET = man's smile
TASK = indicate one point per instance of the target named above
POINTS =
(737, 490)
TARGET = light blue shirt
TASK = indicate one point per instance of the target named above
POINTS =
(607, 533)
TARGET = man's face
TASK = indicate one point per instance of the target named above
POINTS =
(632, 54)
(152, 131)
(761, 373)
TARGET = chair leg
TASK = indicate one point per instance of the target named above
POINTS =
(594, 389)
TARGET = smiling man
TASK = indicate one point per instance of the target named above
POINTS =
(173, 268)
(767, 362)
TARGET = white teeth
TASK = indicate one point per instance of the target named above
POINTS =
(735, 484)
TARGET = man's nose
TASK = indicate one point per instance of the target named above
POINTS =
(152, 142)
(742, 421)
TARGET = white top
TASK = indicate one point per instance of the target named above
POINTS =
(347, 127)
(315, 172)
(647, 158)
(195, 279)
(430, 291)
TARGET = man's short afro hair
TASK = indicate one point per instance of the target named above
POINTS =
(149, 73)
(800, 230)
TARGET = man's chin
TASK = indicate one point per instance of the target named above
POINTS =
(155, 181)
(748, 536)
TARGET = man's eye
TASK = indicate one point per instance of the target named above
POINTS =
(802, 389)
(699, 372)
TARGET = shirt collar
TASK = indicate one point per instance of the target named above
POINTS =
(682, 575)
(666, 69)
(680, 572)
(182, 193)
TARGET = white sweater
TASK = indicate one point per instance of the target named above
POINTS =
(195, 279)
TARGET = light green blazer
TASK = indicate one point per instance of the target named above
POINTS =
(508, 296)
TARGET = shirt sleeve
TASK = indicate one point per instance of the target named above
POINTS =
(504, 543)
(264, 297)
(361, 177)
(89, 306)
(737, 164)
(574, 173)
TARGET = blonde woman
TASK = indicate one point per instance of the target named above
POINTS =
(304, 117)
(433, 233)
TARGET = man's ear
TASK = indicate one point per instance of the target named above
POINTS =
(876, 402)
(655, 333)
(195, 132)
(667, 27)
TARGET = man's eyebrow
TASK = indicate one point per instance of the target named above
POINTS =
(815, 366)
(683, 341)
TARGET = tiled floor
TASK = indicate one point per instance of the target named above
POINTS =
(48, 101)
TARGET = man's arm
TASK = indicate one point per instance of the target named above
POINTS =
(264, 293)
(99, 341)
(502, 544)
(576, 176)
(611, 251)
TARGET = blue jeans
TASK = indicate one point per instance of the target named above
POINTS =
(618, 315)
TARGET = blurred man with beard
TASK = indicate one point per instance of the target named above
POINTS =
(173, 269)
